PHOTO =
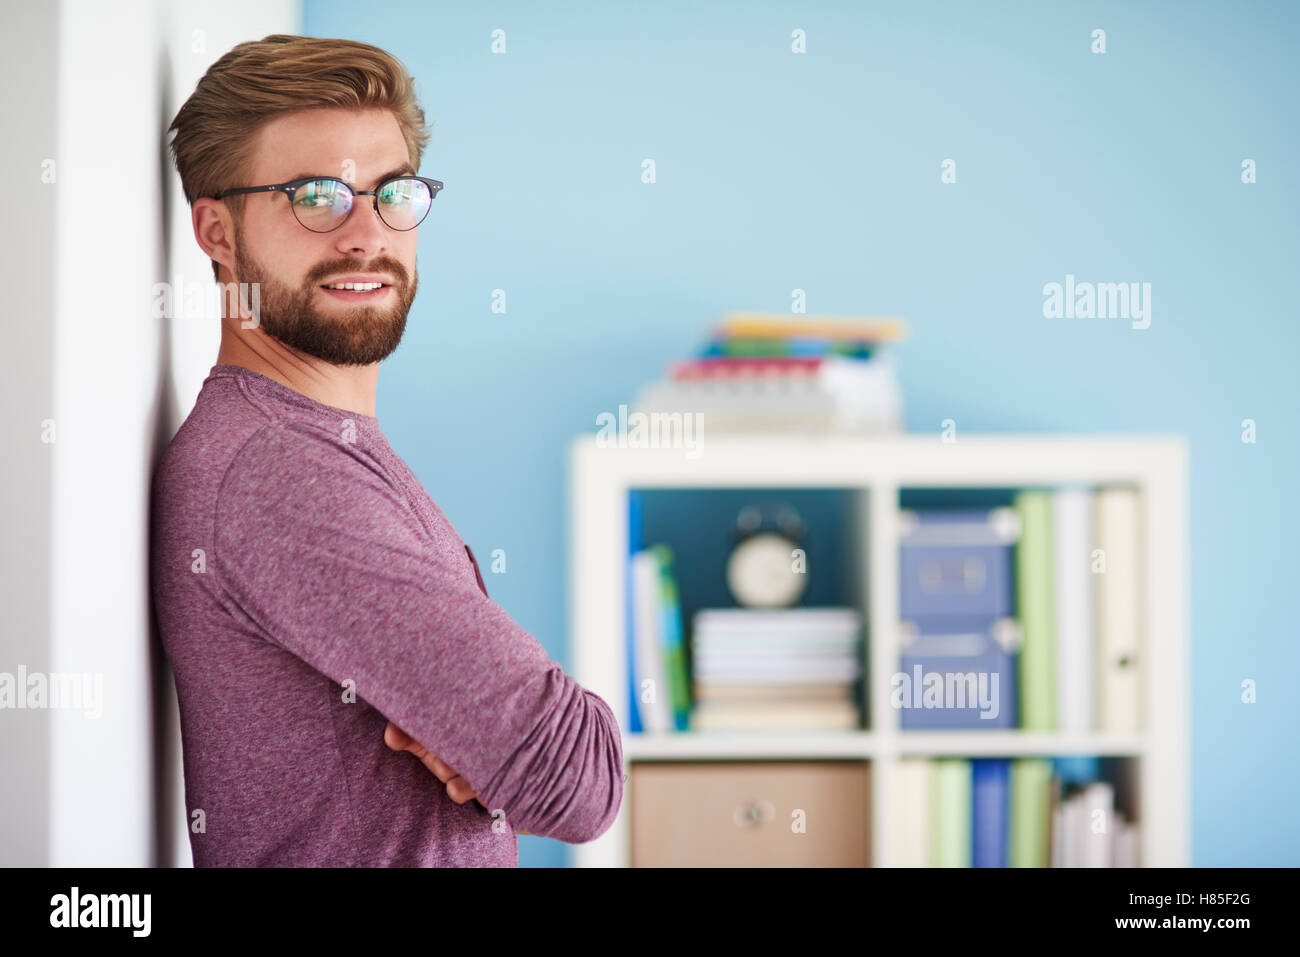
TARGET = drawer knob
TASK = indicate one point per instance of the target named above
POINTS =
(753, 813)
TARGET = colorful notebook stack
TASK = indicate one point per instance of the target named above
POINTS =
(1022, 617)
(774, 373)
(996, 812)
(785, 669)
(659, 684)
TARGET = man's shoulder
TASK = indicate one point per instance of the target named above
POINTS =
(218, 425)
(290, 451)
(238, 469)
(221, 439)
(292, 474)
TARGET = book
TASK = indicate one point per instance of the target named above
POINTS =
(782, 668)
(758, 324)
(1075, 650)
(1126, 849)
(652, 692)
(950, 813)
(721, 346)
(758, 691)
(1089, 831)
(775, 716)
(990, 805)
(1030, 780)
(777, 670)
(785, 373)
(761, 645)
(838, 395)
(1055, 812)
(659, 686)
(909, 809)
(635, 513)
(1035, 608)
(784, 621)
(1071, 828)
(1118, 610)
(719, 367)
(673, 647)
(1097, 801)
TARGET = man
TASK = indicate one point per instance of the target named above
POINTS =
(320, 612)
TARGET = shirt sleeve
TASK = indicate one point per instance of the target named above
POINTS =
(325, 557)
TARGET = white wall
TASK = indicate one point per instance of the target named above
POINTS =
(105, 375)
(93, 86)
(27, 110)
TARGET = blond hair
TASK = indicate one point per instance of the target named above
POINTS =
(261, 79)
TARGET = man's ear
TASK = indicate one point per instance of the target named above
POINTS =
(214, 232)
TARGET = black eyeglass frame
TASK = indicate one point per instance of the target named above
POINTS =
(293, 186)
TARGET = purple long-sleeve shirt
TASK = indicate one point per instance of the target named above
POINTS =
(308, 590)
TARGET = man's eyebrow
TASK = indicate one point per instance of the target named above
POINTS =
(406, 169)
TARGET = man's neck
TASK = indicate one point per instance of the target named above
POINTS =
(351, 388)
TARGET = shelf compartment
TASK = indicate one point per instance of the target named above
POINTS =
(699, 527)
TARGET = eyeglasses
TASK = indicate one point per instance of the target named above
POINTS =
(323, 203)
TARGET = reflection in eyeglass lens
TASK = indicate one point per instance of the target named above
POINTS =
(323, 204)
(403, 202)
(323, 193)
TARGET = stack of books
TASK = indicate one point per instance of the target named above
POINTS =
(775, 373)
(1025, 617)
(998, 812)
(1087, 829)
(783, 669)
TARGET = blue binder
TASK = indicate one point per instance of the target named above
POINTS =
(990, 806)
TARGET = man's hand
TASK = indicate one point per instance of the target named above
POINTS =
(458, 789)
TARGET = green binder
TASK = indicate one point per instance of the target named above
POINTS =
(1030, 799)
(1036, 609)
(950, 813)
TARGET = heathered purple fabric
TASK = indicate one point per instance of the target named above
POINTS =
(293, 551)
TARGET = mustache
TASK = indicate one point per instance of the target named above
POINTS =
(390, 267)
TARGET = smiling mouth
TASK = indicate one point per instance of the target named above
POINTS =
(358, 291)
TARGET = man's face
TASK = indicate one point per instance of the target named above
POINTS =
(292, 264)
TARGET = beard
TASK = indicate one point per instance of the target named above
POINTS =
(342, 334)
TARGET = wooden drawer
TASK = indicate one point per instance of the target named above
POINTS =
(740, 814)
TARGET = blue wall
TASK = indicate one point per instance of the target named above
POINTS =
(822, 172)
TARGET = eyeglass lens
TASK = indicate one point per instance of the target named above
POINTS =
(323, 205)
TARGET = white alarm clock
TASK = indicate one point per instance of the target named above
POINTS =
(768, 567)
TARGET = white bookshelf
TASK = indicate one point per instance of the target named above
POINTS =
(874, 470)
